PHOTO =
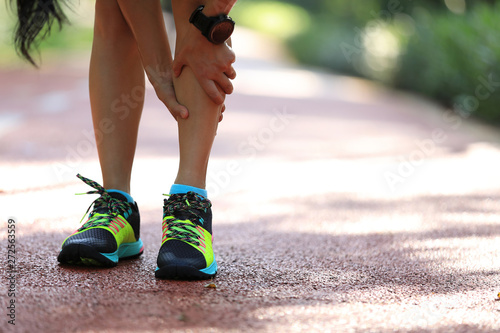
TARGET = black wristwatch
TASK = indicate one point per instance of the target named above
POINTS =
(217, 29)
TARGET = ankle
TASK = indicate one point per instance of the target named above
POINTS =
(119, 186)
(191, 180)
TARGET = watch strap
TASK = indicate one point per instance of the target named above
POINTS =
(200, 21)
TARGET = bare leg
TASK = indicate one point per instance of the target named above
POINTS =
(196, 133)
(116, 82)
(186, 251)
(179, 258)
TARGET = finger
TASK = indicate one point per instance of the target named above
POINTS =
(231, 73)
(211, 90)
(221, 111)
(231, 55)
(225, 84)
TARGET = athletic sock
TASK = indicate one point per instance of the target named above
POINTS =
(125, 194)
(180, 189)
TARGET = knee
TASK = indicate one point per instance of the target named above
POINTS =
(109, 21)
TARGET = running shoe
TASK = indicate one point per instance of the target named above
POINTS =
(186, 250)
(110, 233)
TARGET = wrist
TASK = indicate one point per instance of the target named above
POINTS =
(193, 33)
(217, 28)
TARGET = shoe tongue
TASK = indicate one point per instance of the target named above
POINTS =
(187, 216)
(186, 212)
(104, 209)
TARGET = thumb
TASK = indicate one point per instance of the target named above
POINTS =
(178, 111)
(177, 65)
(170, 100)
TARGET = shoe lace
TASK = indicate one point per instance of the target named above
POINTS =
(106, 206)
(189, 205)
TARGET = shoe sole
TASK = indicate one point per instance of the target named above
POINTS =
(182, 272)
(86, 255)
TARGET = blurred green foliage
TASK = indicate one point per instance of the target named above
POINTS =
(452, 57)
(447, 50)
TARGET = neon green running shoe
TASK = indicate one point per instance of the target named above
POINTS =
(186, 250)
(110, 233)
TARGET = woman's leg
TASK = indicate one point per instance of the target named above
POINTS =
(116, 82)
(186, 251)
(196, 133)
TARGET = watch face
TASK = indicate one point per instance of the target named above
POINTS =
(222, 31)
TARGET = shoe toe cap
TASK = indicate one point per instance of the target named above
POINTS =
(97, 238)
(178, 253)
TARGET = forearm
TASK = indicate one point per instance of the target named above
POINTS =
(145, 19)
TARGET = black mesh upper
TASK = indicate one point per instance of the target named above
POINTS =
(176, 252)
(98, 238)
